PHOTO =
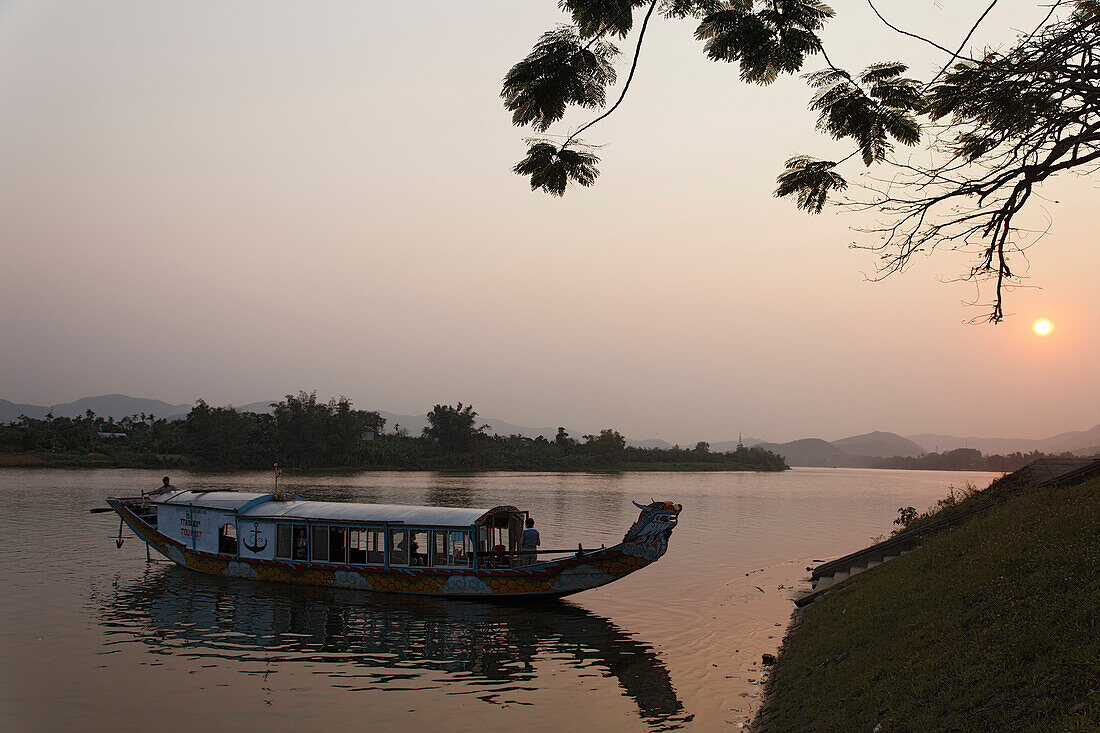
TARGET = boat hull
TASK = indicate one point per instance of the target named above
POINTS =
(551, 579)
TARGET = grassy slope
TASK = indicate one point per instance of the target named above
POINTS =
(992, 626)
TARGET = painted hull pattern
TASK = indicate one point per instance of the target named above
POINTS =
(555, 578)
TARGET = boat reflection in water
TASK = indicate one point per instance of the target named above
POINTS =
(380, 641)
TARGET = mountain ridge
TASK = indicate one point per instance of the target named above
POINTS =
(810, 451)
(1077, 441)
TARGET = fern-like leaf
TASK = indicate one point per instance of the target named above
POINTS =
(602, 17)
(552, 168)
(810, 181)
(772, 41)
(559, 71)
(882, 71)
(869, 116)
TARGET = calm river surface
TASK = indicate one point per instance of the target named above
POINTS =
(96, 638)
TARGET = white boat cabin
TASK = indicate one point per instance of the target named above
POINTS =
(253, 526)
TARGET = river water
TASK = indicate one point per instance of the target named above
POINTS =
(96, 638)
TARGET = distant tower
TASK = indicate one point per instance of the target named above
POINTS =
(740, 445)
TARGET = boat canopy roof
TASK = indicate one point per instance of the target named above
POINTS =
(265, 505)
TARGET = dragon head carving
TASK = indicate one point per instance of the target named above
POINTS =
(653, 527)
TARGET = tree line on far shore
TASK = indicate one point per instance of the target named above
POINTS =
(302, 432)
(965, 459)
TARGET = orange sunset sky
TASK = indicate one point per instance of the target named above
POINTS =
(236, 200)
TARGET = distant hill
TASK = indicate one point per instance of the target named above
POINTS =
(649, 443)
(260, 408)
(879, 445)
(728, 446)
(10, 411)
(935, 443)
(1081, 442)
(858, 450)
(117, 406)
(811, 452)
(499, 427)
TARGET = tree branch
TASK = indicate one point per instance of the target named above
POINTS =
(961, 45)
(893, 27)
(626, 85)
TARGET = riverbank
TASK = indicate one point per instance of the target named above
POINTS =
(168, 462)
(994, 625)
(93, 460)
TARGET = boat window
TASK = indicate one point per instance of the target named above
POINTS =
(399, 547)
(290, 542)
(499, 554)
(366, 546)
(357, 546)
(450, 548)
(492, 544)
(460, 548)
(376, 546)
(337, 544)
(418, 547)
(227, 539)
(439, 548)
(320, 544)
(283, 540)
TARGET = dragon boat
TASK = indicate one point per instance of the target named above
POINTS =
(423, 550)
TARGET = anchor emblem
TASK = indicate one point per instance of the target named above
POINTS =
(256, 546)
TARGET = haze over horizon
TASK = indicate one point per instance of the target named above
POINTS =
(119, 405)
(207, 200)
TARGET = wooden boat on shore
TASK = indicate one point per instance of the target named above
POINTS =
(438, 551)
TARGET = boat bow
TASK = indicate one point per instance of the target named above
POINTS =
(648, 537)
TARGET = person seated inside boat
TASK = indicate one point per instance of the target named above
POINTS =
(165, 487)
(301, 545)
(417, 540)
(399, 547)
(408, 548)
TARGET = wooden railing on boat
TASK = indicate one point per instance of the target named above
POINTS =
(508, 559)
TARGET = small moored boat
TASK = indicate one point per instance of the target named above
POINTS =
(439, 551)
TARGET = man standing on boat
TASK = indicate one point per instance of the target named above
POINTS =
(166, 487)
(530, 542)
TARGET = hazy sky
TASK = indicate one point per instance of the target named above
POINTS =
(236, 200)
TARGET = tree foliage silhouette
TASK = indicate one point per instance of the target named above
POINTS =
(454, 427)
(993, 126)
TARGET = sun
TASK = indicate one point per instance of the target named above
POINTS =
(1042, 327)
